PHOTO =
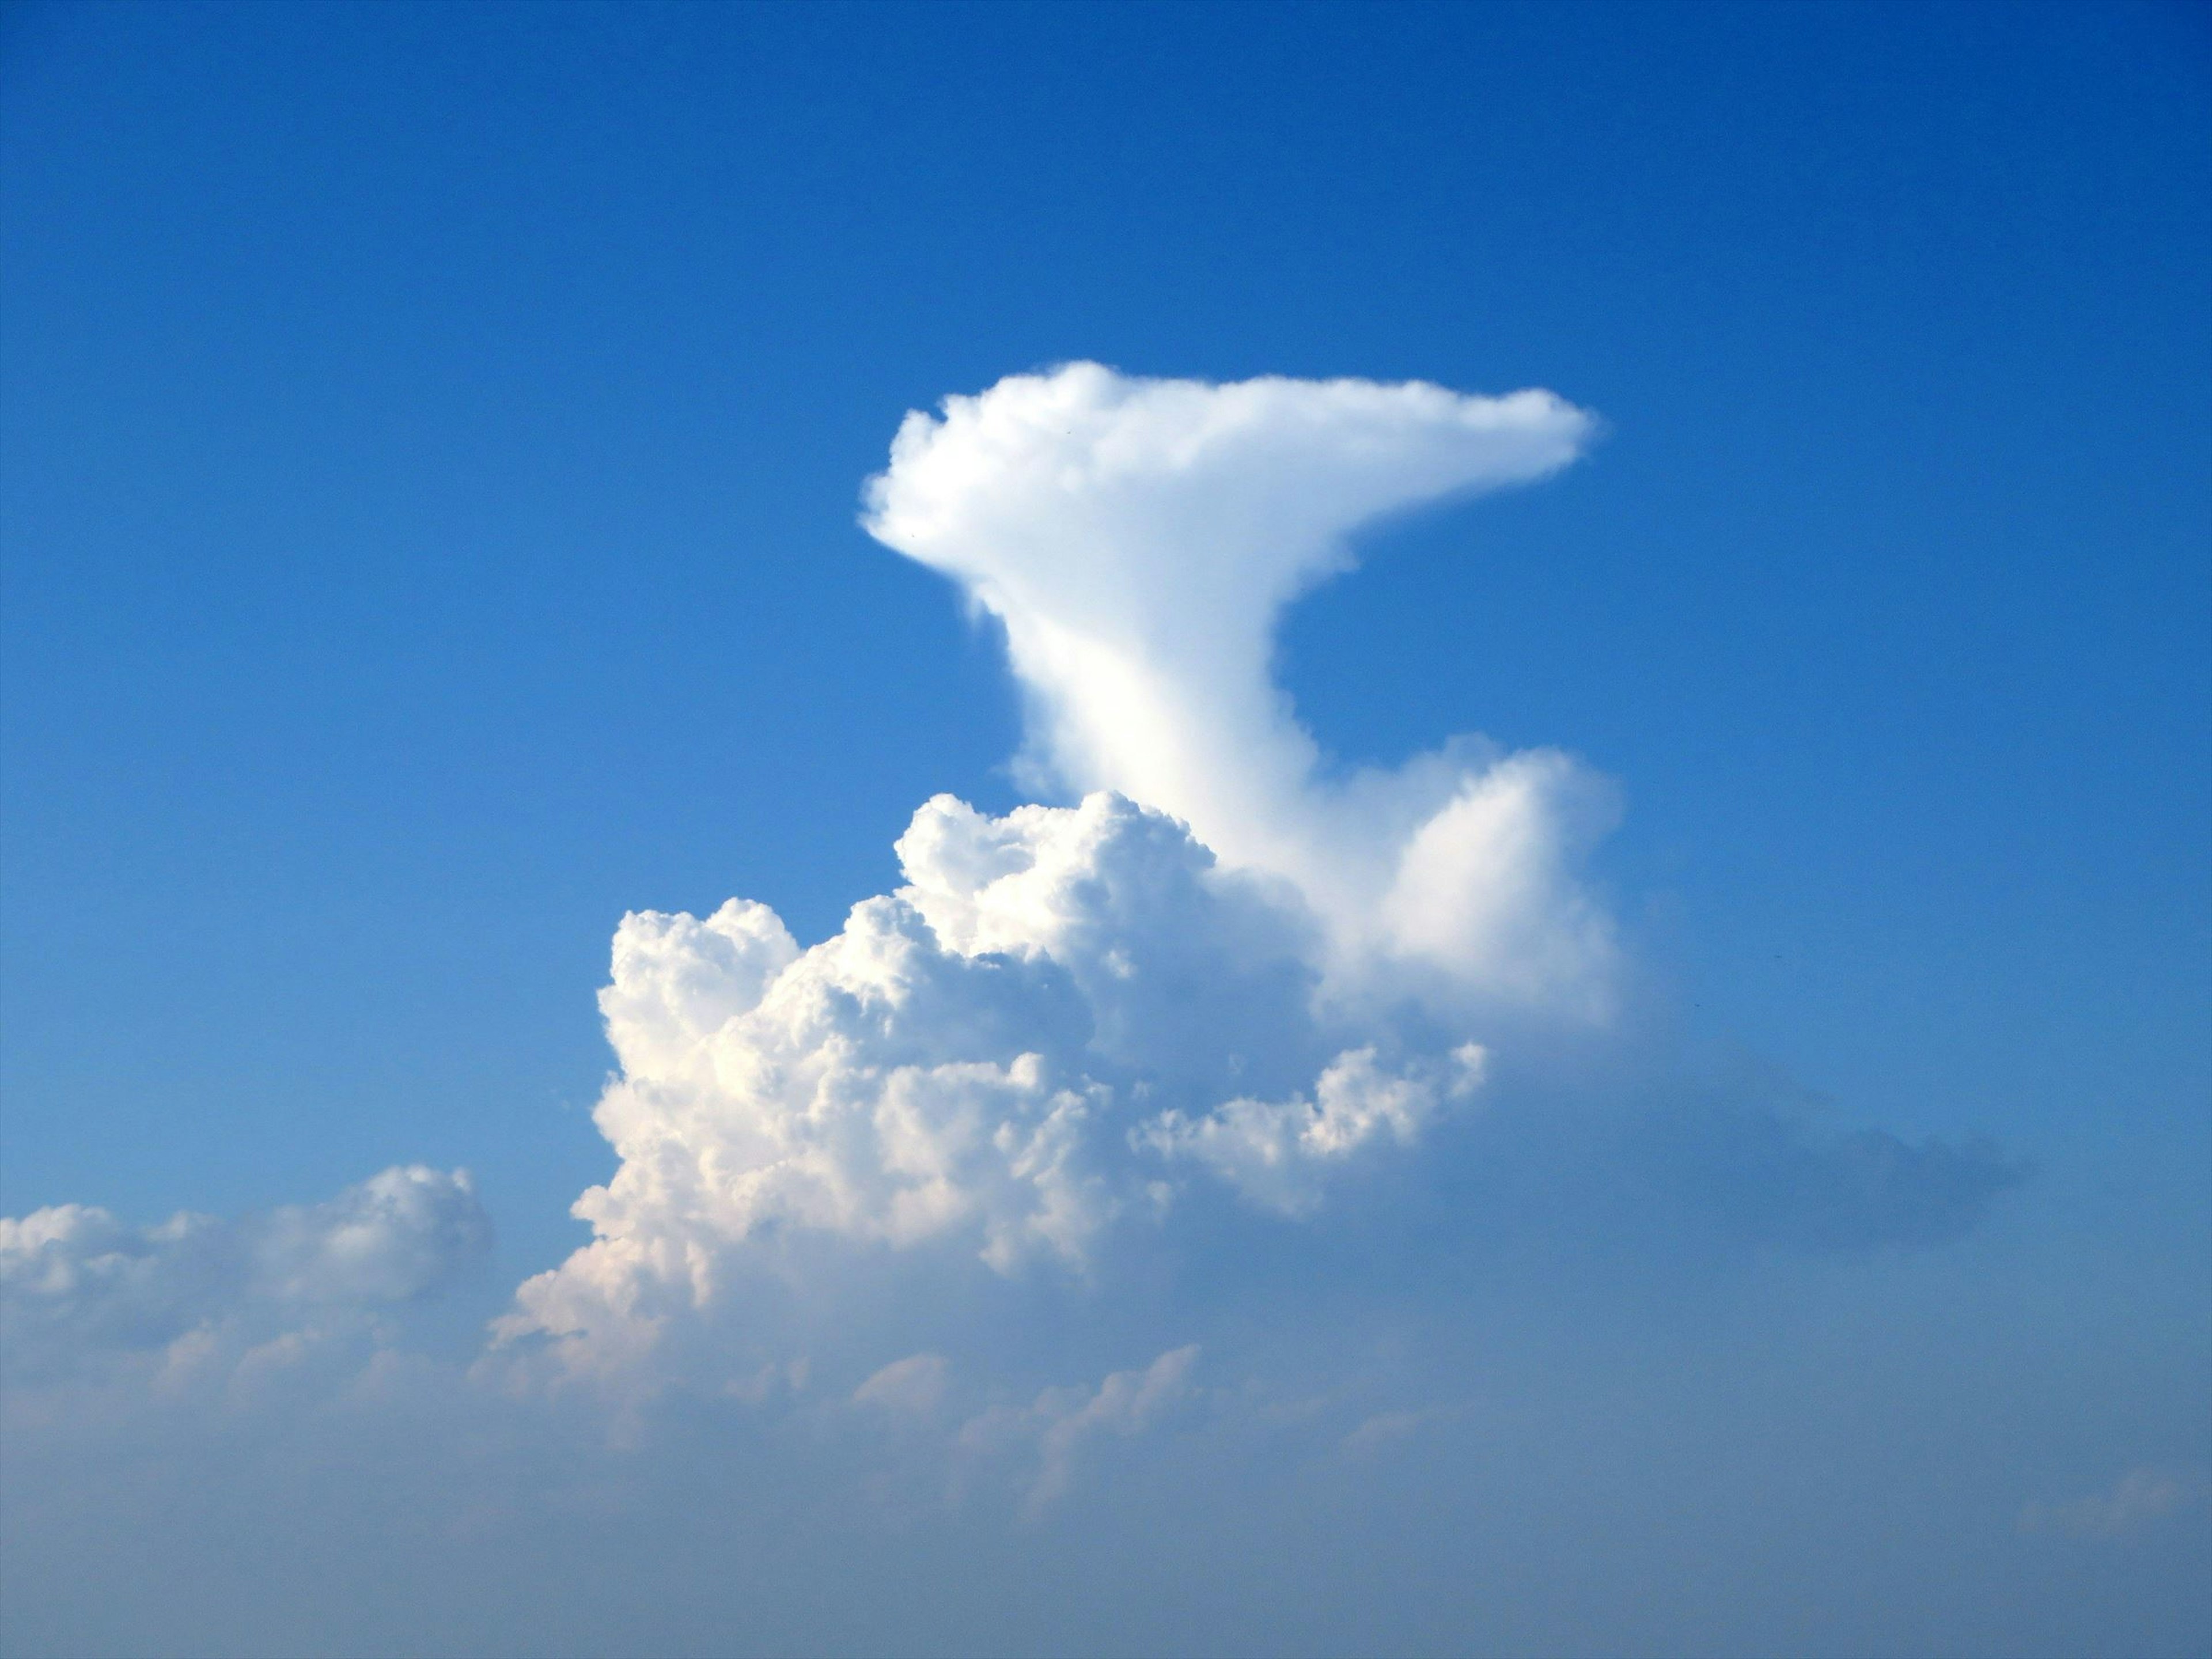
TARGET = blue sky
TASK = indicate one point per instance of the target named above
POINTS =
(432, 465)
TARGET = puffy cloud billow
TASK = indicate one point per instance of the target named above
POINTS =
(1065, 1017)
(80, 1289)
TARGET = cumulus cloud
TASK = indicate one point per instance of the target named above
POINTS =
(1138, 540)
(1231, 1047)
(1276, 1153)
(884, 1182)
(1219, 966)
(1222, 969)
(1055, 1426)
(1225, 969)
(77, 1285)
(913, 1386)
(1062, 1016)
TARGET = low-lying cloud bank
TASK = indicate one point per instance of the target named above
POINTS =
(80, 1290)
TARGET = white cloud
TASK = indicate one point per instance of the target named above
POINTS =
(1057, 1424)
(1277, 1154)
(1070, 1026)
(1216, 970)
(963, 1130)
(1139, 539)
(2135, 1500)
(389, 1239)
(1218, 979)
(914, 1386)
(1215, 967)
(1385, 1430)
(1027, 1045)
(77, 1285)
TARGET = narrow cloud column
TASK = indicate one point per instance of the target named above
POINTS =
(1139, 540)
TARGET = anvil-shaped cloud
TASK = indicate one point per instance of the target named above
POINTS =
(1140, 539)
(1217, 967)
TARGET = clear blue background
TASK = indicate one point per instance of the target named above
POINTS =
(432, 440)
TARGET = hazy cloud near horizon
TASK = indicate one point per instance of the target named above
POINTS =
(78, 1287)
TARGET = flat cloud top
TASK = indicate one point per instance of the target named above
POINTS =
(1085, 494)
(1138, 539)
